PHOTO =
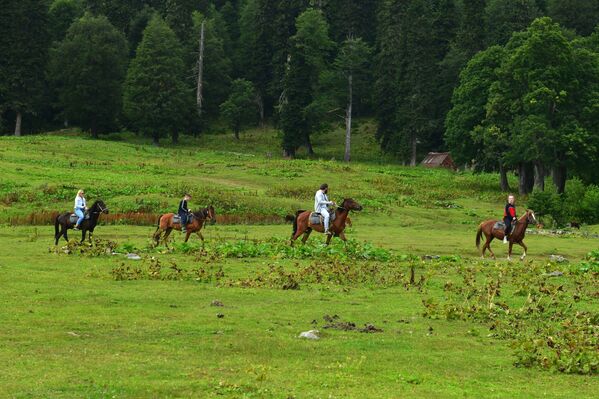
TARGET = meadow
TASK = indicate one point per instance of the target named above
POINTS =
(405, 309)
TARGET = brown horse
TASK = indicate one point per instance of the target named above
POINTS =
(302, 225)
(166, 224)
(516, 237)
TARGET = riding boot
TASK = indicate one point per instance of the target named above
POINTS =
(505, 239)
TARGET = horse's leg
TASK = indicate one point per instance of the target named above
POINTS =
(166, 234)
(342, 236)
(329, 236)
(488, 245)
(200, 235)
(306, 236)
(89, 235)
(300, 230)
(521, 243)
(187, 233)
(157, 235)
(509, 253)
(64, 233)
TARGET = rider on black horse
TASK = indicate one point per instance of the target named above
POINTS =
(183, 211)
(509, 216)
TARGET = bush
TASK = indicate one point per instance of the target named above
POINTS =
(590, 205)
(547, 203)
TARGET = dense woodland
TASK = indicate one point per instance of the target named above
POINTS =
(506, 85)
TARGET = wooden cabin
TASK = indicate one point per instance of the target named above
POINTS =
(439, 160)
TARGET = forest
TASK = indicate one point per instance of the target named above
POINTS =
(505, 85)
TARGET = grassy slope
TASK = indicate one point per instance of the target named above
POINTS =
(69, 330)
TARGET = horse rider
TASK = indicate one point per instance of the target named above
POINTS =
(184, 211)
(80, 208)
(321, 205)
(509, 216)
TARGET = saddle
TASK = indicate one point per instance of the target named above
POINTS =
(317, 219)
(177, 219)
(499, 226)
(73, 218)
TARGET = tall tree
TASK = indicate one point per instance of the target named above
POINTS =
(351, 18)
(504, 17)
(88, 68)
(62, 14)
(580, 15)
(24, 40)
(300, 113)
(240, 108)
(156, 98)
(352, 73)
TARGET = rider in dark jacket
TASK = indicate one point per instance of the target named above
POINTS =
(509, 217)
(184, 211)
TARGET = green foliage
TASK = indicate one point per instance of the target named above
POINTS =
(504, 17)
(62, 14)
(156, 99)
(24, 42)
(240, 108)
(88, 70)
(580, 15)
(300, 113)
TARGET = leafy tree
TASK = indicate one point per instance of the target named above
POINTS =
(24, 43)
(580, 15)
(504, 17)
(468, 112)
(156, 98)
(88, 67)
(300, 113)
(352, 76)
(62, 14)
(240, 108)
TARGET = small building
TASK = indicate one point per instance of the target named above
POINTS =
(439, 160)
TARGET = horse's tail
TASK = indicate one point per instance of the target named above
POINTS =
(56, 224)
(479, 234)
(158, 224)
(295, 222)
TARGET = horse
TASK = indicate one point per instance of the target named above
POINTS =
(166, 224)
(63, 220)
(302, 225)
(516, 237)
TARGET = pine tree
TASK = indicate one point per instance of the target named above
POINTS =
(88, 68)
(300, 113)
(24, 41)
(156, 98)
(351, 18)
(504, 17)
(580, 15)
(240, 108)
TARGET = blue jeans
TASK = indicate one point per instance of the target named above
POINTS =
(81, 215)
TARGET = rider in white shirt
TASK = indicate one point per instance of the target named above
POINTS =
(80, 208)
(321, 205)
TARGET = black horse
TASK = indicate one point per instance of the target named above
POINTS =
(63, 221)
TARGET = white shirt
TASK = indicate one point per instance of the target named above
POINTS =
(79, 202)
(321, 201)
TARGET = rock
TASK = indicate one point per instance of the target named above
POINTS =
(73, 334)
(370, 328)
(220, 315)
(133, 256)
(430, 257)
(556, 273)
(312, 334)
(216, 302)
(557, 258)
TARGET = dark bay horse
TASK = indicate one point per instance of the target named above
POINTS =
(516, 237)
(166, 224)
(62, 222)
(302, 225)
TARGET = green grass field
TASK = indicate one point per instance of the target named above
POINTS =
(101, 326)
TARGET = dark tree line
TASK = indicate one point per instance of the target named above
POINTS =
(435, 74)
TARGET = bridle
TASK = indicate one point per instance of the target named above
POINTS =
(101, 209)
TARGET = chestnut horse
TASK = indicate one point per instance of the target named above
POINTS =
(516, 237)
(166, 224)
(302, 225)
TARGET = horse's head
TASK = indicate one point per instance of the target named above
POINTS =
(351, 205)
(207, 214)
(530, 217)
(99, 207)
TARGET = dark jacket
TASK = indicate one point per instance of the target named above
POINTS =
(183, 210)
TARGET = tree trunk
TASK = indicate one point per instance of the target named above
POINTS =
(503, 181)
(348, 115)
(260, 104)
(539, 176)
(199, 98)
(526, 178)
(18, 124)
(413, 156)
(175, 137)
(237, 132)
(289, 153)
(308, 144)
(559, 178)
(94, 130)
(156, 140)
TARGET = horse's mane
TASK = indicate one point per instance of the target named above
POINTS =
(202, 213)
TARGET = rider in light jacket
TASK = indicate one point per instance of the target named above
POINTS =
(80, 208)
(321, 204)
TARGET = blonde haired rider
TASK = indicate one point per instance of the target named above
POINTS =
(80, 208)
